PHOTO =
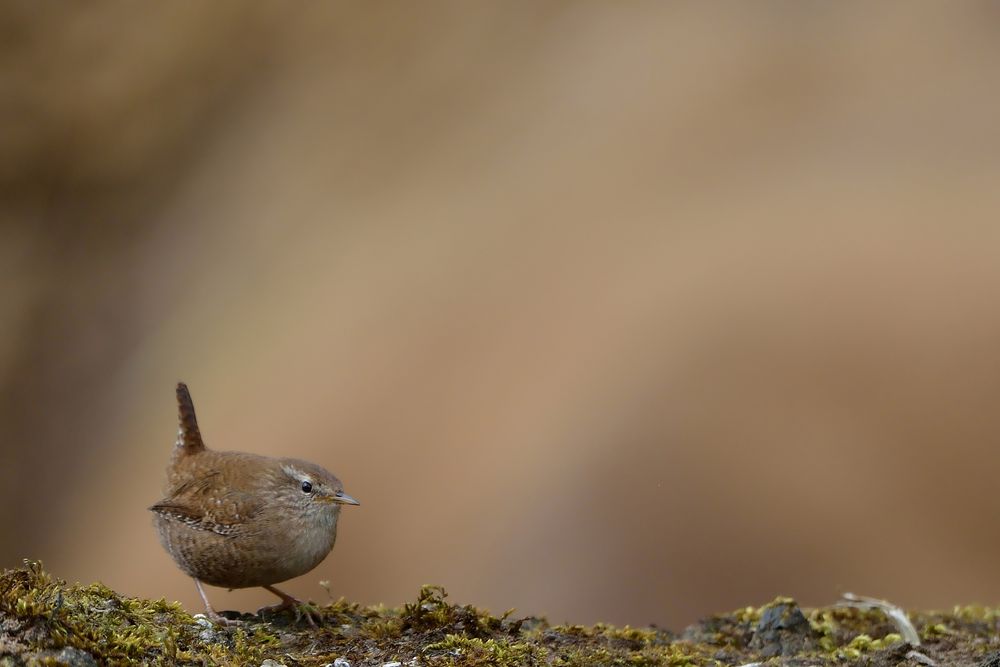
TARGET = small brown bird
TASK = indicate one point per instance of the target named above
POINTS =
(238, 520)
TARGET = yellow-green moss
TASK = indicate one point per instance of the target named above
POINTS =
(117, 629)
(935, 630)
(455, 650)
(41, 616)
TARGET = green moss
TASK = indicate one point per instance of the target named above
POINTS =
(460, 650)
(976, 613)
(116, 629)
(43, 618)
(747, 615)
(823, 623)
(933, 631)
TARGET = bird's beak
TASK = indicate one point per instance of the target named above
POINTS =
(343, 498)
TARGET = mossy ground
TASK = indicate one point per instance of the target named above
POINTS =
(45, 621)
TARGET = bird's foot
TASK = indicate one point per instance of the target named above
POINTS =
(302, 609)
(218, 619)
(211, 614)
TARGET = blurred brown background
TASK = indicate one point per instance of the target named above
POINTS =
(627, 312)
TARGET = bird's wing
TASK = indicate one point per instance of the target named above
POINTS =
(202, 504)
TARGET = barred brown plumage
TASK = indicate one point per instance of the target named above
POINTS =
(239, 520)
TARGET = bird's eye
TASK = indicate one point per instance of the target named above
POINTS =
(307, 487)
(339, 493)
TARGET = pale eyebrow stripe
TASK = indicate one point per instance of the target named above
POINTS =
(295, 473)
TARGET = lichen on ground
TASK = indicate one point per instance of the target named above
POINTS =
(44, 620)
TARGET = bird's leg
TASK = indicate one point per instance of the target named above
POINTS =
(288, 602)
(212, 615)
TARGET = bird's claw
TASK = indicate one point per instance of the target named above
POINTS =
(220, 620)
(310, 611)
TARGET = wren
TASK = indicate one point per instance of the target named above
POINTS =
(238, 520)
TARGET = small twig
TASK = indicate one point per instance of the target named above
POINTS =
(917, 656)
(895, 614)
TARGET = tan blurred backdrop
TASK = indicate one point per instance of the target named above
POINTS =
(622, 312)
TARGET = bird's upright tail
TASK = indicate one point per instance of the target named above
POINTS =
(188, 436)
